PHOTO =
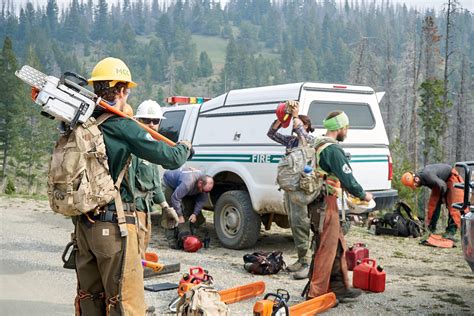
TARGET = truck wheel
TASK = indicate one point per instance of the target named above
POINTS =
(237, 225)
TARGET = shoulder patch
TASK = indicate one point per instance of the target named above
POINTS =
(149, 137)
(346, 169)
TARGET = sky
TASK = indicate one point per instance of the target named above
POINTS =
(420, 4)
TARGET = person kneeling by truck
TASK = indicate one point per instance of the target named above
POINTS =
(186, 190)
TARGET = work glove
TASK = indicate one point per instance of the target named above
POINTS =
(170, 217)
(292, 107)
(188, 144)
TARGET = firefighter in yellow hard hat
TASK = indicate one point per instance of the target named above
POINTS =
(108, 265)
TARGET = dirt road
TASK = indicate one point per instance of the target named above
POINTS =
(420, 279)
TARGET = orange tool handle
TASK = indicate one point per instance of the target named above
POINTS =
(152, 132)
(155, 266)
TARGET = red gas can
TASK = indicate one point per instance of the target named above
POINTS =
(361, 275)
(377, 280)
(355, 253)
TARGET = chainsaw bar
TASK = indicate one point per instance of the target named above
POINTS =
(32, 77)
(168, 268)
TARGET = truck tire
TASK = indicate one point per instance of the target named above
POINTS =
(237, 224)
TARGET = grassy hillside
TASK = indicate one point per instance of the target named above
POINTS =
(214, 47)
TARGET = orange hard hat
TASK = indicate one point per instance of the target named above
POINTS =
(282, 116)
(408, 179)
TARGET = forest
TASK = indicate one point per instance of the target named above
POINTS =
(423, 60)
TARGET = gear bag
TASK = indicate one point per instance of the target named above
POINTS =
(202, 300)
(79, 179)
(264, 262)
(396, 224)
(302, 187)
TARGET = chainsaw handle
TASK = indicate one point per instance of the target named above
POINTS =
(151, 131)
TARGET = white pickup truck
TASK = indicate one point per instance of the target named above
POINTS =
(229, 136)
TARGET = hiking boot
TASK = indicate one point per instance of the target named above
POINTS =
(297, 266)
(347, 293)
(303, 273)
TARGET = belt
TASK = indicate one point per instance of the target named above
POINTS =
(109, 216)
(128, 207)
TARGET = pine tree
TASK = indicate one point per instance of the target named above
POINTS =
(205, 65)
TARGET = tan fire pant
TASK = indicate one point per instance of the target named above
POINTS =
(109, 270)
(144, 231)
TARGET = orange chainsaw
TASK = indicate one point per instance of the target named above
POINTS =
(277, 304)
(198, 275)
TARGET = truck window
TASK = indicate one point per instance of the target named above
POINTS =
(172, 125)
(360, 114)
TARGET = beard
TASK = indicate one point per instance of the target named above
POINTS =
(340, 138)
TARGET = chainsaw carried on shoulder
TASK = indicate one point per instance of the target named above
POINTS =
(67, 100)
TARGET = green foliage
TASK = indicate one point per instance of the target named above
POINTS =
(402, 163)
(433, 118)
(10, 187)
(205, 65)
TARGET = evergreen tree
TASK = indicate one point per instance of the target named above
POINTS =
(205, 65)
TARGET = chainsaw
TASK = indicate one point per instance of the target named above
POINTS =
(67, 100)
(277, 305)
(198, 275)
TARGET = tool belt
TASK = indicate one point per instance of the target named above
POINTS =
(108, 216)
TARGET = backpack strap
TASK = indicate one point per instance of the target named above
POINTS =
(104, 117)
(118, 201)
(122, 223)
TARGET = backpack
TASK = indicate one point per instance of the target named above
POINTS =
(79, 179)
(302, 188)
(396, 224)
(264, 262)
(201, 299)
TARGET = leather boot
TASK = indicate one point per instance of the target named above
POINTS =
(303, 273)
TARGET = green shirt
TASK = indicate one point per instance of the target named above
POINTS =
(124, 137)
(147, 184)
(334, 161)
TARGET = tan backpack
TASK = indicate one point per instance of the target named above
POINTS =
(201, 300)
(79, 179)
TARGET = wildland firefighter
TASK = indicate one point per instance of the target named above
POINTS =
(147, 182)
(108, 266)
(187, 190)
(297, 213)
(329, 269)
(441, 179)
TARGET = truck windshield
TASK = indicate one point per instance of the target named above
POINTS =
(172, 125)
(360, 115)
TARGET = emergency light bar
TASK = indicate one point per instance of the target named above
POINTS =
(186, 100)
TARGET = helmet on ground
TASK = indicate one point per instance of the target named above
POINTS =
(281, 113)
(149, 109)
(192, 244)
(128, 110)
(408, 179)
(113, 70)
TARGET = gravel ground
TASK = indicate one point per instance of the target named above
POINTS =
(420, 279)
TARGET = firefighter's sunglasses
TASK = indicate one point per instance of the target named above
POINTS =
(149, 120)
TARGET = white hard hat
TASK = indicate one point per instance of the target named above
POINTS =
(149, 109)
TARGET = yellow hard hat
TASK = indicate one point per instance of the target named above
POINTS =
(113, 70)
